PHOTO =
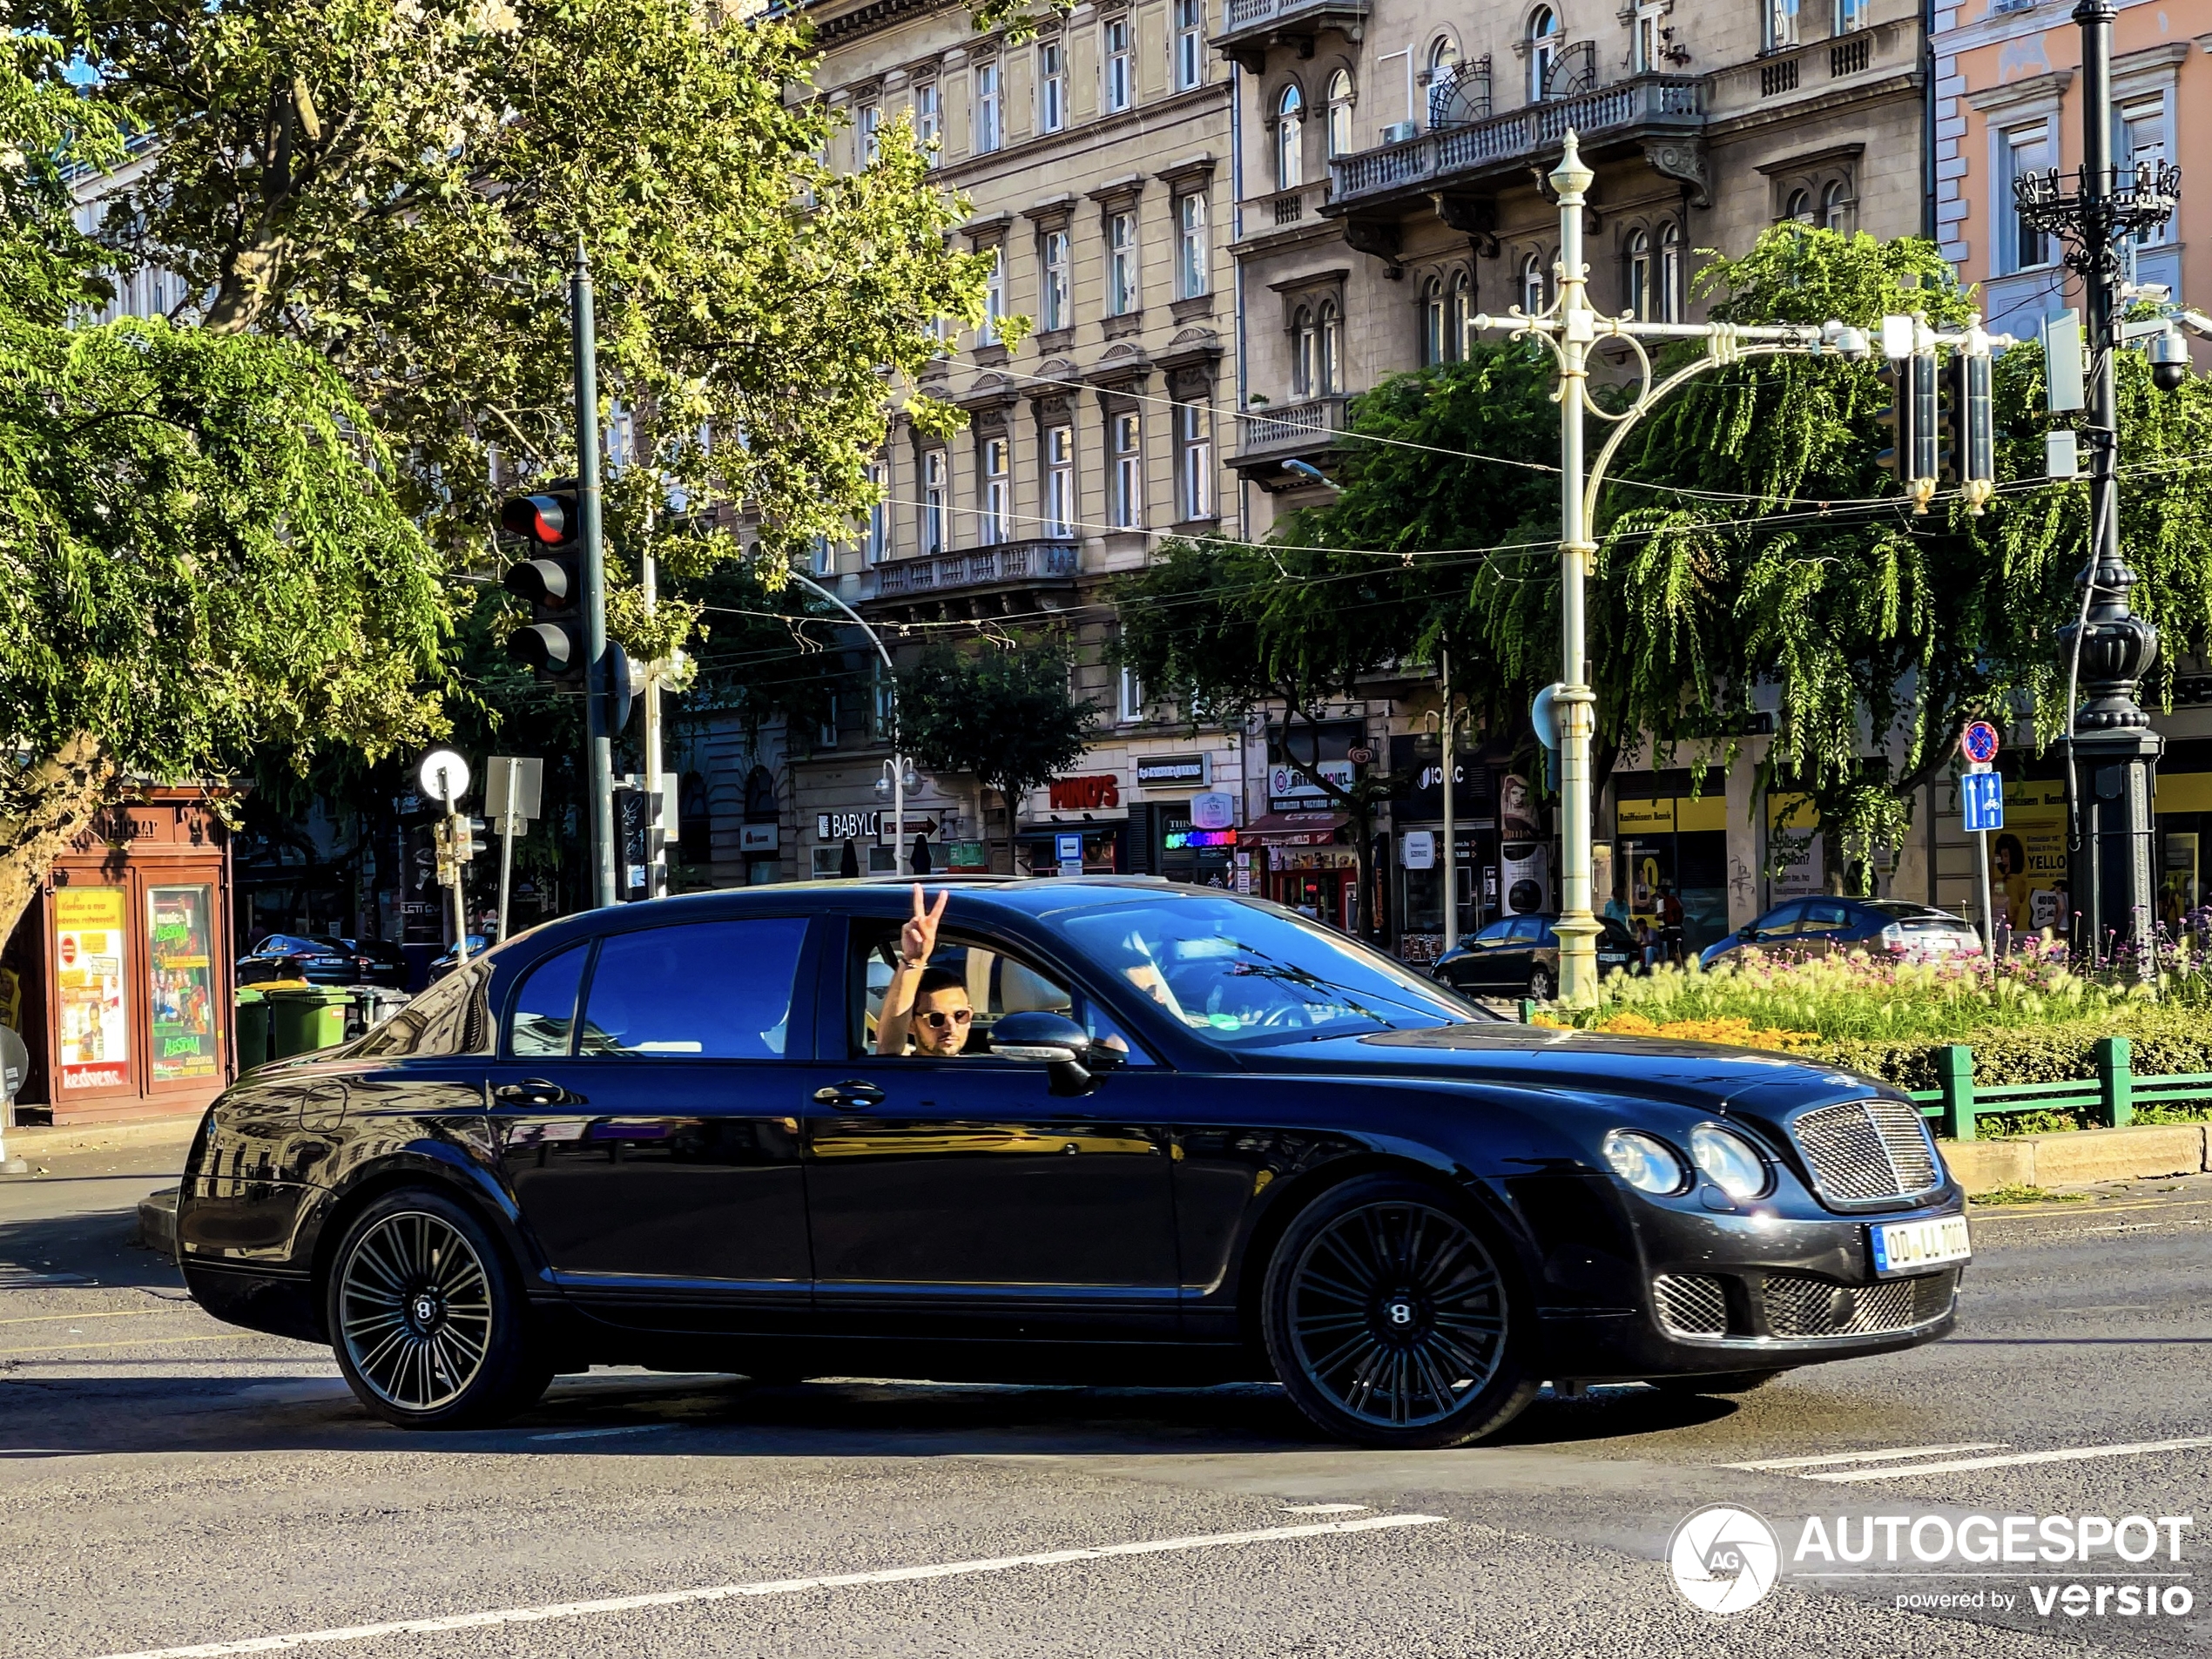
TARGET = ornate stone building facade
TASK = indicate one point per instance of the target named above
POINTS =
(1096, 160)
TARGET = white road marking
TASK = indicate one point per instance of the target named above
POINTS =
(1324, 1508)
(770, 1587)
(1866, 1457)
(602, 1433)
(2069, 1454)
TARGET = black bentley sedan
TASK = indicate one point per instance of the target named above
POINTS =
(1188, 1137)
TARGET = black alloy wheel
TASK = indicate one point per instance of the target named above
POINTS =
(426, 1317)
(1390, 1320)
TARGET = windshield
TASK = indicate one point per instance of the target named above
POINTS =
(1239, 974)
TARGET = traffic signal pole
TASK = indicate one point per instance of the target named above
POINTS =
(599, 756)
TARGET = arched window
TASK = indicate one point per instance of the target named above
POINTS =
(1642, 279)
(1443, 54)
(1543, 50)
(1533, 284)
(1328, 364)
(1341, 114)
(1835, 207)
(1798, 207)
(1458, 315)
(1303, 350)
(1432, 323)
(1670, 288)
(1290, 138)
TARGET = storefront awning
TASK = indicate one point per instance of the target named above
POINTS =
(1294, 829)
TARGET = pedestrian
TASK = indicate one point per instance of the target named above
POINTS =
(1670, 919)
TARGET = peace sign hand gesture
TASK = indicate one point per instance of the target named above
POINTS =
(918, 939)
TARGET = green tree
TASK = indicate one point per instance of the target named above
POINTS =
(1006, 718)
(197, 547)
(1425, 547)
(401, 185)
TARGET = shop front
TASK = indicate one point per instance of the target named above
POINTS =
(118, 977)
(1672, 856)
(1310, 864)
(1421, 870)
(1084, 829)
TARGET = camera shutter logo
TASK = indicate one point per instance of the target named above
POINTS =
(1723, 1559)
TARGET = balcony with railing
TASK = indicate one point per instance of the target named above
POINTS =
(1249, 28)
(1648, 106)
(974, 573)
(1273, 435)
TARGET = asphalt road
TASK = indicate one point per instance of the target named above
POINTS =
(167, 1483)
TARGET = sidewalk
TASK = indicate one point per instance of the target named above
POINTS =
(36, 1143)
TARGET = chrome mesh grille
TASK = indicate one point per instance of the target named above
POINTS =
(1797, 1305)
(1863, 1151)
(1691, 1304)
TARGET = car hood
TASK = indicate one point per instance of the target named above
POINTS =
(1705, 1076)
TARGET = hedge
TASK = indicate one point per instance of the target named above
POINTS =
(2166, 1040)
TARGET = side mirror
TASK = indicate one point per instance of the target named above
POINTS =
(1747, 933)
(1052, 1040)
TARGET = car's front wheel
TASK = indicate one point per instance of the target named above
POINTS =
(1390, 1320)
(428, 1321)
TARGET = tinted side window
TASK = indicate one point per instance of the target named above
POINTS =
(546, 1007)
(1494, 934)
(1822, 917)
(1526, 930)
(706, 990)
(1778, 922)
(452, 1017)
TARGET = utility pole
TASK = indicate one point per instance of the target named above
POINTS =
(598, 689)
(2112, 751)
(655, 815)
(897, 790)
(1451, 830)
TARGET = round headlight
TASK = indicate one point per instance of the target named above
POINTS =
(1645, 1162)
(1731, 1163)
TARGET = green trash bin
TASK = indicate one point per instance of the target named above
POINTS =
(251, 1030)
(309, 1017)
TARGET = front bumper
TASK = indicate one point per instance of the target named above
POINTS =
(1755, 1290)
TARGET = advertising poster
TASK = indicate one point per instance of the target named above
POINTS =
(2027, 857)
(90, 1007)
(1795, 855)
(183, 985)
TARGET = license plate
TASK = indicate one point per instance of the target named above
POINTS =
(1915, 1246)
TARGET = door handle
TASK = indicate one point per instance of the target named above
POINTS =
(536, 1091)
(852, 1092)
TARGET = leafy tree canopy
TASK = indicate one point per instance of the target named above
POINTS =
(1753, 554)
(198, 550)
(401, 185)
(1007, 718)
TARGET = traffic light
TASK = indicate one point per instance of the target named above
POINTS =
(552, 582)
(1972, 428)
(1900, 430)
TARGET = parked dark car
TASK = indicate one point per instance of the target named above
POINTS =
(1519, 956)
(1192, 1137)
(382, 962)
(1822, 925)
(317, 958)
(441, 965)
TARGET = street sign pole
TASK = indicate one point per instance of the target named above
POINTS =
(598, 689)
(1988, 914)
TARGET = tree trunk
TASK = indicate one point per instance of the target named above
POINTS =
(47, 807)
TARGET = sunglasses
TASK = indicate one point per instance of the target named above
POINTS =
(938, 1021)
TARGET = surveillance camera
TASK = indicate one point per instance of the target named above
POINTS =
(2169, 361)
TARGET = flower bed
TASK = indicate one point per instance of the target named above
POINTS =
(2033, 1022)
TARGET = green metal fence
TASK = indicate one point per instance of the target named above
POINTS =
(2110, 1098)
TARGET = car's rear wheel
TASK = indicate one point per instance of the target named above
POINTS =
(1392, 1321)
(428, 1323)
(1540, 984)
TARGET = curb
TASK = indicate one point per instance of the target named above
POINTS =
(157, 1223)
(2080, 1158)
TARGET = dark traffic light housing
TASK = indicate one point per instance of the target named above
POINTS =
(551, 582)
